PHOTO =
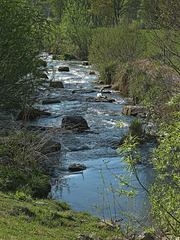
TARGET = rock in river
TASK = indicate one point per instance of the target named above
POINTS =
(140, 111)
(50, 101)
(100, 99)
(85, 63)
(57, 84)
(63, 69)
(76, 123)
(76, 167)
(51, 146)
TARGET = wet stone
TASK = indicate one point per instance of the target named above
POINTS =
(57, 84)
(85, 63)
(75, 167)
(100, 99)
(76, 123)
(140, 111)
(50, 101)
(51, 146)
(63, 69)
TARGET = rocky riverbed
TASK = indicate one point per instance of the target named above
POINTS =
(97, 113)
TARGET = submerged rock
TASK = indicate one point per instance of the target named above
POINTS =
(75, 167)
(50, 101)
(100, 99)
(83, 91)
(57, 84)
(75, 123)
(51, 146)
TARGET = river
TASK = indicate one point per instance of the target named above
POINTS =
(84, 190)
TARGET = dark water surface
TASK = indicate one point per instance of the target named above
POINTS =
(84, 190)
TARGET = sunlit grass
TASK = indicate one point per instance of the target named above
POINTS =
(46, 219)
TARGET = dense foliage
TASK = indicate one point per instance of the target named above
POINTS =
(21, 31)
(76, 26)
(165, 191)
(114, 46)
(21, 167)
(134, 44)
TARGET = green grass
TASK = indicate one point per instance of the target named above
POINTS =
(47, 219)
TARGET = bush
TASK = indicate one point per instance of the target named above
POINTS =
(21, 166)
(136, 127)
(113, 46)
(164, 191)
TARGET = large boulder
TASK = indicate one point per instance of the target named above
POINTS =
(43, 75)
(75, 123)
(140, 111)
(63, 69)
(57, 84)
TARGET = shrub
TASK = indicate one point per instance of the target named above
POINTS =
(112, 46)
(164, 191)
(136, 127)
(21, 166)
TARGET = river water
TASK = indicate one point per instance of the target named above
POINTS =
(95, 149)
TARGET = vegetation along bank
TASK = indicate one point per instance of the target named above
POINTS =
(134, 45)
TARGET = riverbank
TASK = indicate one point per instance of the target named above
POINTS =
(101, 117)
(148, 83)
(25, 218)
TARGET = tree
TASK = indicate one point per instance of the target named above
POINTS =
(21, 32)
(148, 12)
(58, 7)
(163, 18)
(112, 9)
(76, 26)
(160, 13)
(114, 46)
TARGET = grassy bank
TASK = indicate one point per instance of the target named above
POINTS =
(25, 211)
(24, 218)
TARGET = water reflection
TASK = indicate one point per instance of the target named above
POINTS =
(97, 186)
